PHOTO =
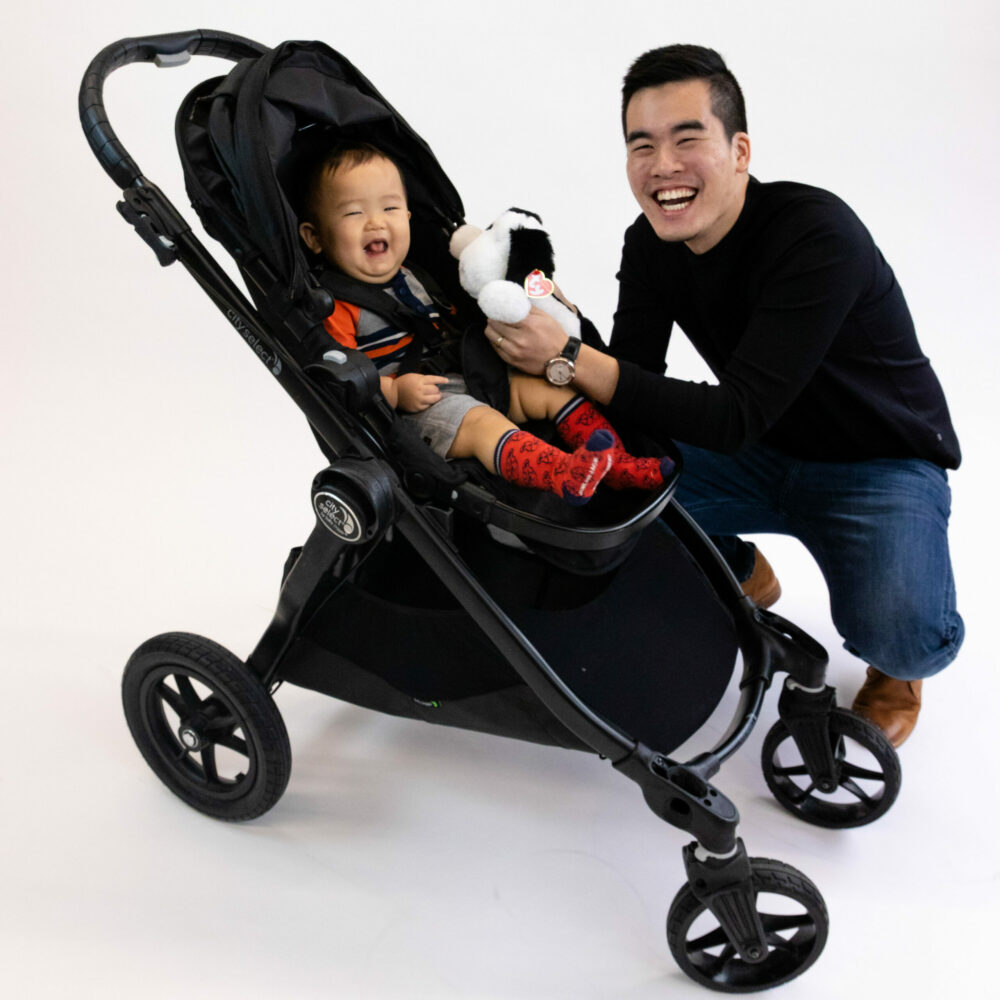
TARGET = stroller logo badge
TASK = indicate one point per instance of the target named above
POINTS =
(259, 347)
(337, 516)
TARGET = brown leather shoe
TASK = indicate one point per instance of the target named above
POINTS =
(891, 704)
(762, 587)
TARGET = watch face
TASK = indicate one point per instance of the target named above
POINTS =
(560, 371)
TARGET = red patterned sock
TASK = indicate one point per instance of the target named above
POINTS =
(526, 460)
(579, 418)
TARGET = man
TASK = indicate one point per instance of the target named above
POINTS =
(827, 422)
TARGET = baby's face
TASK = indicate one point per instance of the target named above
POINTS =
(362, 222)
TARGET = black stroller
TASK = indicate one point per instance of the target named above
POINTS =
(478, 593)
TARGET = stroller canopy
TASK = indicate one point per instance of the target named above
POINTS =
(242, 137)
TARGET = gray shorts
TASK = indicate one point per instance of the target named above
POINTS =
(439, 423)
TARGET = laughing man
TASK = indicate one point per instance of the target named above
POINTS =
(827, 422)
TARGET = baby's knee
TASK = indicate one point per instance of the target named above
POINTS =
(532, 398)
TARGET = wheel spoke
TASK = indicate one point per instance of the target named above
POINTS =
(773, 922)
(777, 943)
(799, 770)
(208, 763)
(221, 722)
(233, 742)
(710, 940)
(850, 785)
(802, 794)
(853, 771)
(171, 697)
(187, 691)
(723, 959)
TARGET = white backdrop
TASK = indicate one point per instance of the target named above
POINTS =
(155, 479)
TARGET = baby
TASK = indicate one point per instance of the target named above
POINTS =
(355, 214)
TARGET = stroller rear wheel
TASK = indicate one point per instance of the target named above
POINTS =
(207, 726)
(868, 773)
(792, 914)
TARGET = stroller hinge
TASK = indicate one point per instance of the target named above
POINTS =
(155, 220)
(679, 795)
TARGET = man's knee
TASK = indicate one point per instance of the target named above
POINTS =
(904, 648)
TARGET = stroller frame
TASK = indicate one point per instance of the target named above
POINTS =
(362, 490)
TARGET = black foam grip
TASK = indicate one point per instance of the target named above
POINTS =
(111, 154)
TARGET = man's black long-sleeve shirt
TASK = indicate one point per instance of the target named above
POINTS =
(802, 322)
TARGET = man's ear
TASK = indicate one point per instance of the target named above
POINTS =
(308, 233)
(741, 149)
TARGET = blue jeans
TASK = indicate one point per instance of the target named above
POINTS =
(878, 530)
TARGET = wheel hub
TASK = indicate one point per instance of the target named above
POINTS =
(190, 738)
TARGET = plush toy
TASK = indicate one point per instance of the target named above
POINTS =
(508, 269)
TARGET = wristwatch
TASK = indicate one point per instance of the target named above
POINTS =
(561, 369)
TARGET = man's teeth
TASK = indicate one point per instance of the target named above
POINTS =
(676, 199)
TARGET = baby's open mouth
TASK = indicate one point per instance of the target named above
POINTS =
(675, 199)
(376, 247)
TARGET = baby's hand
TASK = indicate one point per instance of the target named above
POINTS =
(415, 392)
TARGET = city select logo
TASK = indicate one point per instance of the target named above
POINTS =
(337, 516)
(259, 348)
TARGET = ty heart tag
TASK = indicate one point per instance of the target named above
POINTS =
(537, 285)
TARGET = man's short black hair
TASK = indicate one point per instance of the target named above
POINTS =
(674, 63)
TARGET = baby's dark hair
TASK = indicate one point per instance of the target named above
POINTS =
(328, 161)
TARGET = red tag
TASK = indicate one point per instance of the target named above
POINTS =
(537, 285)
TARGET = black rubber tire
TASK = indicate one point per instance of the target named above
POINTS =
(237, 714)
(866, 806)
(787, 957)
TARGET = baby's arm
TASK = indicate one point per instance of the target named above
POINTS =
(388, 387)
(412, 392)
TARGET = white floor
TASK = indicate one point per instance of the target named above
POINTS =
(410, 861)
(155, 479)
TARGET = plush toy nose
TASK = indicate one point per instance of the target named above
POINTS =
(461, 238)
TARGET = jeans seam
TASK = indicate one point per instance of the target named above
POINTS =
(786, 488)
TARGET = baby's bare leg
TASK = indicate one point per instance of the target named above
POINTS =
(478, 435)
(532, 398)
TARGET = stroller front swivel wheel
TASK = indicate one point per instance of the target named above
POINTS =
(206, 726)
(868, 774)
(793, 917)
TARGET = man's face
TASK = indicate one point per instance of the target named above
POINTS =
(689, 179)
(361, 221)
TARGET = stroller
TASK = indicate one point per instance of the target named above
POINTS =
(479, 590)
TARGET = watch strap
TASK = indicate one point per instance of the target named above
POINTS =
(571, 350)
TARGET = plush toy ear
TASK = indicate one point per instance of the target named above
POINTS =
(530, 250)
(461, 238)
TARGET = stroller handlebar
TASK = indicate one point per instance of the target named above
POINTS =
(166, 50)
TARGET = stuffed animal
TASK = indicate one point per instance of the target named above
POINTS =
(508, 269)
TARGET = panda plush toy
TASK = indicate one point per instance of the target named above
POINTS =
(507, 268)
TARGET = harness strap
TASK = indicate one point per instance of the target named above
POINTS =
(410, 315)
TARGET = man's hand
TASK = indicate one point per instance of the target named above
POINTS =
(415, 392)
(538, 338)
(529, 344)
